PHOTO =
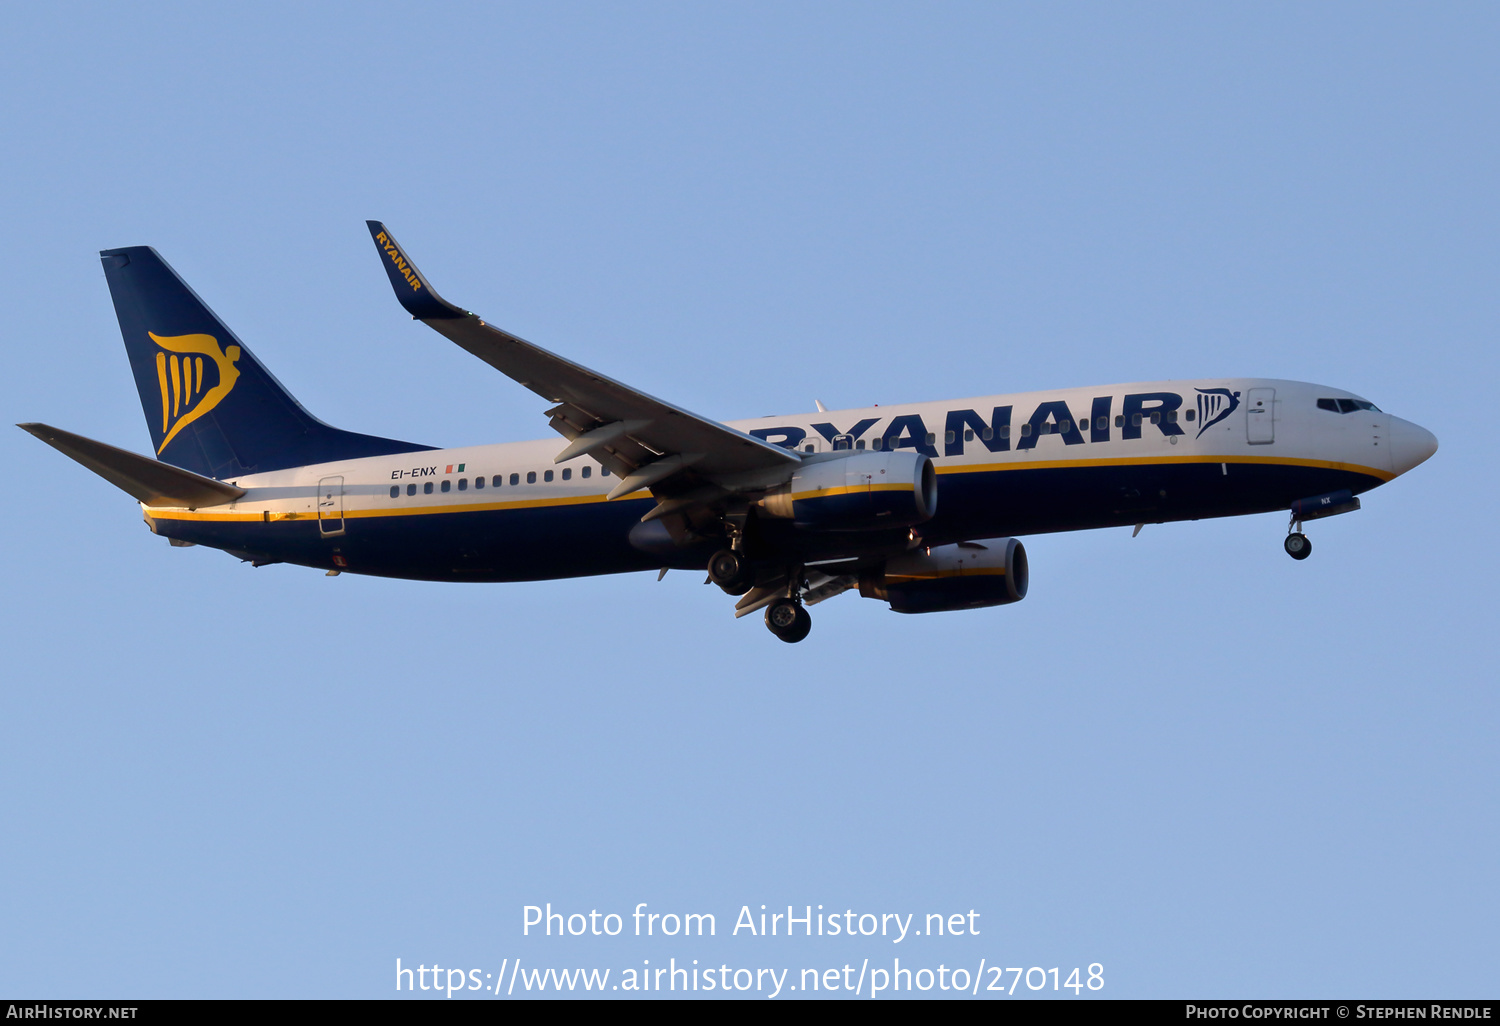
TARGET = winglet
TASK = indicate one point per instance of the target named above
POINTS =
(411, 288)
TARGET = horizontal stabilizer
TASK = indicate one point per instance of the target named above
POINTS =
(150, 481)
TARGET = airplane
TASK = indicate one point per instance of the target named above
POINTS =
(917, 505)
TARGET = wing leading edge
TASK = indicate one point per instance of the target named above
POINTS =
(683, 458)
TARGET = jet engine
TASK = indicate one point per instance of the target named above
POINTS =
(969, 575)
(865, 491)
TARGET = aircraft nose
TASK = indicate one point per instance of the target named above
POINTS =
(1410, 445)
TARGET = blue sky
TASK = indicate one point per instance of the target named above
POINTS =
(1210, 769)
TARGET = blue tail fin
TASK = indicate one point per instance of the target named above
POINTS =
(211, 407)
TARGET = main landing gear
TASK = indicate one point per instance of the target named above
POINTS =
(730, 570)
(785, 616)
(788, 620)
(1297, 544)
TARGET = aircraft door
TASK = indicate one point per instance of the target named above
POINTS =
(1260, 416)
(331, 507)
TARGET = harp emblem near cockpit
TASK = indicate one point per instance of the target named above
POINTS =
(1214, 404)
(194, 375)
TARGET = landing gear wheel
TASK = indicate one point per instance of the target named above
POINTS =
(728, 570)
(788, 620)
(1298, 545)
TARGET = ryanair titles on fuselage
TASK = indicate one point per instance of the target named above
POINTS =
(1001, 430)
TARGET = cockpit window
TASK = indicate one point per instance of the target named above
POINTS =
(1346, 405)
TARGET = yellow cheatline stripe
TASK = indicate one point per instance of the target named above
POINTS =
(1136, 461)
(823, 493)
(359, 514)
(479, 507)
(981, 572)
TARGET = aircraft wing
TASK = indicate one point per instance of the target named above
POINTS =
(648, 443)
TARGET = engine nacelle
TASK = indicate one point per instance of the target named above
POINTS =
(865, 491)
(969, 575)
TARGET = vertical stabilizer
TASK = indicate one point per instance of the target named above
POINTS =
(210, 405)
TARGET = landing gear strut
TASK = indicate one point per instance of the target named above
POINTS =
(1297, 544)
(788, 620)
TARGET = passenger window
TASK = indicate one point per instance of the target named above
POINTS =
(876, 443)
(427, 488)
(1135, 420)
(1156, 418)
(447, 485)
(968, 434)
(861, 443)
(587, 471)
(1004, 431)
(531, 477)
(1189, 414)
(567, 473)
(988, 433)
(603, 471)
(807, 448)
(479, 482)
(463, 484)
(1025, 430)
(931, 438)
(1101, 424)
(395, 491)
(1120, 420)
(1065, 425)
(411, 489)
(547, 475)
(1171, 416)
(950, 437)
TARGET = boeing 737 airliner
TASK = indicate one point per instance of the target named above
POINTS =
(915, 505)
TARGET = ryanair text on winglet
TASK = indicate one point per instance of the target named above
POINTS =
(400, 261)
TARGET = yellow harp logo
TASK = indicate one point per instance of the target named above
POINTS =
(179, 372)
